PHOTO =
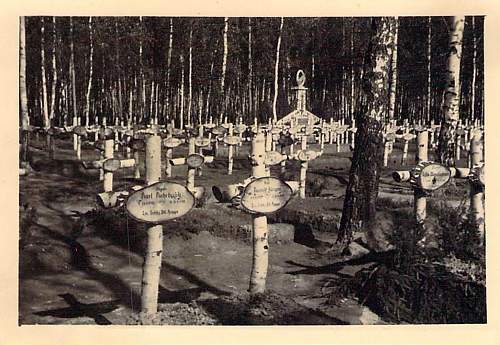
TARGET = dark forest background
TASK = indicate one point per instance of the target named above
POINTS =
(329, 50)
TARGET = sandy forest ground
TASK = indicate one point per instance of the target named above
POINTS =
(88, 271)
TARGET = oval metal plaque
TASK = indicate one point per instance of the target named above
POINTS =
(390, 136)
(210, 125)
(306, 155)
(408, 137)
(171, 142)
(111, 164)
(432, 176)
(232, 140)
(273, 158)
(202, 141)
(240, 128)
(80, 130)
(219, 130)
(160, 202)
(265, 195)
(195, 160)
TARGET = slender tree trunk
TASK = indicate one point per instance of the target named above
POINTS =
(362, 189)
(46, 118)
(169, 62)
(72, 71)
(352, 96)
(250, 67)
(190, 75)
(429, 61)
(54, 72)
(120, 100)
(474, 71)
(23, 95)
(142, 97)
(181, 95)
(224, 63)
(276, 69)
(89, 84)
(451, 103)
(394, 74)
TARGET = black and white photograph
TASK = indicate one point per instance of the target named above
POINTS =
(251, 170)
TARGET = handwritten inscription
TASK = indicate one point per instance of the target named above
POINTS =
(265, 195)
(160, 202)
(433, 177)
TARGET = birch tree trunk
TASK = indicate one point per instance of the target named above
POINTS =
(89, 84)
(250, 68)
(190, 76)
(181, 95)
(169, 62)
(54, 72)
(474, 70)
(224, 63)
(23, 95)
(394, 74)
(46, 119)
(276, 69)
(72, 70)
(429, 60)
(362, 189)
(451, 101)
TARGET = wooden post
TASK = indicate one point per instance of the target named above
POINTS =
(477, 189)
(108, 175)
(191, 171)
(200, 135)
(420, 196)
(260, 231)
(152, 258)
(303, 169)
(169, 152)
(75, 136)
(230, 152)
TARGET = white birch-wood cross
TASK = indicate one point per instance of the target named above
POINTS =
(108, 165)
(193, 161)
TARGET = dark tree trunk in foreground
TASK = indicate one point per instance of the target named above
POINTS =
(451, 102)
(362, 189)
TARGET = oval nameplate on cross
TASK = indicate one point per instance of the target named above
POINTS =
(195, 160)
(430, 176)
(232, 140)
(111, 165)
(273, 158)
(160, 202)
(202, 142)
(306, 155)
(265, 195)
(171, 142)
